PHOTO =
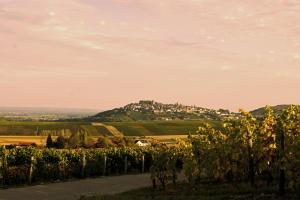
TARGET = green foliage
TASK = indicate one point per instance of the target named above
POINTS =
(288, 134)
(166, 164)
(266, 144)
(59, 164)
(247, 148)
(49, 142)
(119, 141)
(257, 150)
(84, 139)
(74, 140)
(103, 142)
(60, 142)
(159, 169)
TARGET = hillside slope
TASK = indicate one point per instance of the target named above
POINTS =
(158, 128)
(277, 109)
(151, 110)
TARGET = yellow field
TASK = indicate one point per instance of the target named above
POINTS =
(7, 140)
(41, 140)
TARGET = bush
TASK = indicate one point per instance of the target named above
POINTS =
(60, 142)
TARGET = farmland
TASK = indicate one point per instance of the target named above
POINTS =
(246, 151)
(151, 128)
(14, 132)
(17, 128)
(138, 128)
(38, 140)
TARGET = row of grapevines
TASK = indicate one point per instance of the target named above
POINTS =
(23, 165)
(263, 151)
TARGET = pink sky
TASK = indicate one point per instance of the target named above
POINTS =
(107, 53)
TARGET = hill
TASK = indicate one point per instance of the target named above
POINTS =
(152, 111)
(159, 128)
(277, 109)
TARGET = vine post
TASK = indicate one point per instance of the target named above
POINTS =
(104, 165)
(31, 170)
(143, 164)
(83, 165)
(126, 165)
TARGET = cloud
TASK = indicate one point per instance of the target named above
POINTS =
(227, 68)
(91, 45)
(142, 42)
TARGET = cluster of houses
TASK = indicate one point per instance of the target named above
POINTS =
(173, 109)
(163, 108)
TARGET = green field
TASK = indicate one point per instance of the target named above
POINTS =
(147, 128)
(137, 128)
(16, 128)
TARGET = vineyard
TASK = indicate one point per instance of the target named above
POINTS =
(263, 152)
(30, 165)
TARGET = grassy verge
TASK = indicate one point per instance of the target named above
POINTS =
(204, 191)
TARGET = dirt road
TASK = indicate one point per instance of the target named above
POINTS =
(74, 189)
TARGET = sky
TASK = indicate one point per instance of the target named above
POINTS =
(107, 53)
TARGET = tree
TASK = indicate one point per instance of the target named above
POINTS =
(49, 142)
(84, 139)
(60, 142)
(103, 142)
(119, 141)
(74, 140)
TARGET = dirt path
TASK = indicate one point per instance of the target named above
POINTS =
(74, 189)
(115, 132)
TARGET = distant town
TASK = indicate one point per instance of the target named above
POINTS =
(151, 110)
